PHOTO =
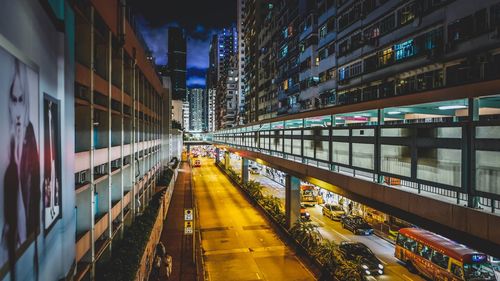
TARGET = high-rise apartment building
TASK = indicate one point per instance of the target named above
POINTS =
(177, 61)
(240, 118)
(222, 76)
(185, 115)
(195, 96)
(210, 94)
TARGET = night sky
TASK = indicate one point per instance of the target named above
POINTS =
(199, 18)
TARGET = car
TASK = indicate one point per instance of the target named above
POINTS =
(359, 253)
(334, 212)
(357, 225)
(304, 214)
(197, 163)
(253, 170)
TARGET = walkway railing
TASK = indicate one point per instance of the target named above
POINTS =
(455, 160)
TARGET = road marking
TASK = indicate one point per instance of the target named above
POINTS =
(258, 276)
(407, 278)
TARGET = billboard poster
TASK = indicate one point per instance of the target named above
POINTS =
(20, 166)
(52, 162)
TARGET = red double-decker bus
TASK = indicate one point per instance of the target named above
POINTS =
(439, 258)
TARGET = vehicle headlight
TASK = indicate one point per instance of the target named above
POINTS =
(364, 266)
(380, 266)
(367, 272)
(380, 272)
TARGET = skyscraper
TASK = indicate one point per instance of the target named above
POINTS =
(241, 63)
(177, 61)
(195, 96)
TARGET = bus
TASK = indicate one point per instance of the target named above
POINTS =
(307, 195)
(439, 258)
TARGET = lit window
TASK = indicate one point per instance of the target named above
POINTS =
(404, 50)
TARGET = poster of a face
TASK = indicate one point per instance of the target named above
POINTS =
(20, 182)
(52, 162)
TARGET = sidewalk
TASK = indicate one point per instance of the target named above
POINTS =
(178, 245)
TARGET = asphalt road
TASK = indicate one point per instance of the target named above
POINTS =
(237, 242)
(332, 230)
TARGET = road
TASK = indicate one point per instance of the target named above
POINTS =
(332, 230)
(238, 243)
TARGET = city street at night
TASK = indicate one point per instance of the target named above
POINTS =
(237, 242)
(244, 140)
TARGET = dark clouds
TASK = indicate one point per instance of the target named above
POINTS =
(200, 18)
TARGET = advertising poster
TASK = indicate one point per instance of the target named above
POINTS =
(20, 170)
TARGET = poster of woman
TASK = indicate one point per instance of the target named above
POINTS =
(52, 162)
(20, 181)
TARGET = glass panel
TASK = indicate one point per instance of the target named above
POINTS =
(309, 148)
(363, 155)
(320, 121)
(440, 165)
(288, 146)
(395, 159)
(488, 171)
(340, 133)
(449, 132)
(488, 132)
(395, 132)
(340, 152)
(363, 133)
(296, 146)
(322, 150)
(297, 123)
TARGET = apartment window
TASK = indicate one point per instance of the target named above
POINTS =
(330, 25)
(343, 73)
(356, 41)
(387, 24)
(356, 69)
(331, 49)
(481, 20)
(323, 31)
(283, 51)
(322, 54)
(495, 15)
(386, 57)
(461, 29)
(343, 48)
(405, 50)
(371, 63)
(406, 14)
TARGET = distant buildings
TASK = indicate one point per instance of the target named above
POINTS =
(177, 61)
(185, 115)
(195, 97)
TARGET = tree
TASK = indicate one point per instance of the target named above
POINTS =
(307, 235)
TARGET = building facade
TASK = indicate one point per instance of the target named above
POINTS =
(185, 115)
(196, 109)
(240, 118)
(177, 59)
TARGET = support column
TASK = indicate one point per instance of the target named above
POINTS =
(244, 170)
(292, 200)
(226, 160)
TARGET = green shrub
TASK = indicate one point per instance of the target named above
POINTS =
(127, 252)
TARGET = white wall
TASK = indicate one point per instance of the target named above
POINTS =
(26, 27)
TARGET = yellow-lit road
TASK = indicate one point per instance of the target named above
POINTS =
(237, 242)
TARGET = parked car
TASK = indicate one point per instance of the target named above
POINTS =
(304, 214)
(357, 225)
(334, 212)
(253, 170)
(359, 253)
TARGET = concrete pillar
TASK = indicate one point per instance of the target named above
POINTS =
(226, 160)
(292, 200)
(244, 170)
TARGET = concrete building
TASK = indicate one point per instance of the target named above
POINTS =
(240, 118)
(195, 96)
(211, 110)
(177, 61)
(185, 115)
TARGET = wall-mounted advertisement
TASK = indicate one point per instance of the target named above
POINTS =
(20, 166)
(52, 162)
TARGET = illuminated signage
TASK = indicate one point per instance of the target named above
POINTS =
(478, 258)
(404, 50)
